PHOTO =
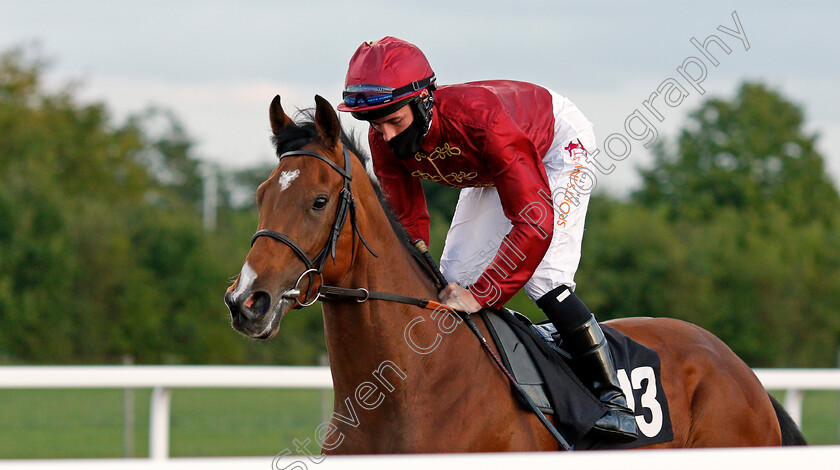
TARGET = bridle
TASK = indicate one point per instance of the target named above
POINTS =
(346, 206)
(314, 267)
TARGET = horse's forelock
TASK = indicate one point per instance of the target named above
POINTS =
(293, 137)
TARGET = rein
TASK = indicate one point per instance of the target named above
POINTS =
(347, 206)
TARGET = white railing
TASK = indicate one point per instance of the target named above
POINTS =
(795, 382)
(162, 379)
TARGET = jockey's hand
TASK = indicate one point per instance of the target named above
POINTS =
(458, 298)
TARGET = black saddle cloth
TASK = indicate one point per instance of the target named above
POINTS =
(541, 367)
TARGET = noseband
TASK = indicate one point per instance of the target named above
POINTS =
(346, 206)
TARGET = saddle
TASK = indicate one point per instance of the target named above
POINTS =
(534, 355)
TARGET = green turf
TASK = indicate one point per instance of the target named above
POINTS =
(242, 422)
(214, 422)
(218, 422)
(820, 416)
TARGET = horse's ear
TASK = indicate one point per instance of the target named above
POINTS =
(327, 121)
(277, 116)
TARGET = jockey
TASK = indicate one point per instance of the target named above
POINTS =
(519, 153)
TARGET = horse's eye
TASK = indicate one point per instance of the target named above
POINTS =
(320, 203)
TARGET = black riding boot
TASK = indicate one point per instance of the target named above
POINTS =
(584, 339)
(595, 366)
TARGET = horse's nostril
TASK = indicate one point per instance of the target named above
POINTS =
(256, 306)
(253, 307)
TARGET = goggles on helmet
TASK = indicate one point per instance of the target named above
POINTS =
(373, 95)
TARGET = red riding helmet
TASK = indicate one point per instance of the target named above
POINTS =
(384, 73)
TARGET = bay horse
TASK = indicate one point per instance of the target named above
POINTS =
(407, 380)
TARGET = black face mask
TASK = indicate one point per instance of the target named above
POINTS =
(408, 142)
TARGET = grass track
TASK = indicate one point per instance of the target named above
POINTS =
(82, 423)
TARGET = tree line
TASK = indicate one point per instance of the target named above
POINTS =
(103, 252)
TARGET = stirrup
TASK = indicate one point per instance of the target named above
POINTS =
(616, 425)
(619, 423)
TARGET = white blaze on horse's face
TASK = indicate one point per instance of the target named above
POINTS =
(246, 278)
(286, 178)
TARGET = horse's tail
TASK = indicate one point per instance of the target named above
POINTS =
(791, 435)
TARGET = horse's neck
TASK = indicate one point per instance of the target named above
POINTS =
(358, 333)
(361, 337)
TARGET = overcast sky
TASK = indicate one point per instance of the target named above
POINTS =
(217, 64)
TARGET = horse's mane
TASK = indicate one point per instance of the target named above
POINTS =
(304, 131)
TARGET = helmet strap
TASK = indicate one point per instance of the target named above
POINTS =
(422, 107)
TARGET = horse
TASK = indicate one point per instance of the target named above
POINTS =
(407, 380)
